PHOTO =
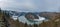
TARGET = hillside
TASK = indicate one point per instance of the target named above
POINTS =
(54, 18)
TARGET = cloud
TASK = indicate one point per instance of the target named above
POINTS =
(30, 5)
(15, 5)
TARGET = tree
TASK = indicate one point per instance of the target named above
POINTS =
(0, 10)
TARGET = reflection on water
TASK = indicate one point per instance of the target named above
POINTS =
(24, 20)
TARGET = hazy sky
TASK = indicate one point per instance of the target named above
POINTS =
(31, 5)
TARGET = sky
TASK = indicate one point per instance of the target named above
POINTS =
(31, 5)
